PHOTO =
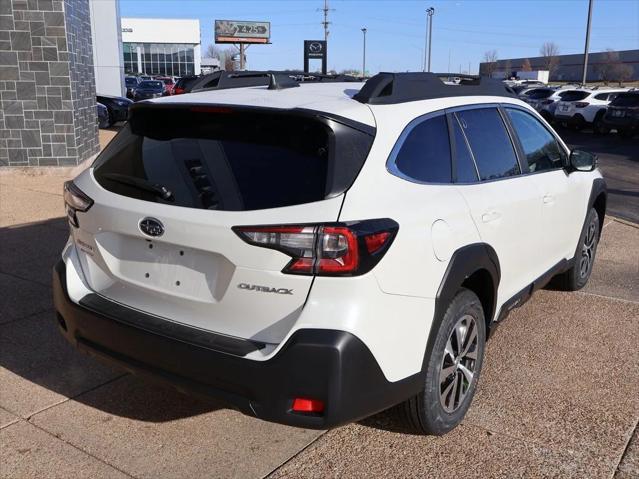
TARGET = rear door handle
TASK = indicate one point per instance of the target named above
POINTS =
(490, 216)
(549, 199)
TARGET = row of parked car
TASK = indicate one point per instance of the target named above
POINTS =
(112, 109)
(602, 109)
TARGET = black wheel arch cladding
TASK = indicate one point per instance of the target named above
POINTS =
(463, 264)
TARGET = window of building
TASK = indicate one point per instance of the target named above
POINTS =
(159, 59)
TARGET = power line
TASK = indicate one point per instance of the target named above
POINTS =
(326, 23)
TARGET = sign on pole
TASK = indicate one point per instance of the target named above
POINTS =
(315, 49)
(239, 31)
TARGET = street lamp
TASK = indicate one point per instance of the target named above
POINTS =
(430, 12)
(364, 55)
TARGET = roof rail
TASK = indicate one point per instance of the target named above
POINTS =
(275, 80)
(390, 88)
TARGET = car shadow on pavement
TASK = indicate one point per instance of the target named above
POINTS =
(41, 367)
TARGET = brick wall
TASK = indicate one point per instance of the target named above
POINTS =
(47, 85)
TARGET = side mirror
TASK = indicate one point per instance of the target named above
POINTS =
(582, 160)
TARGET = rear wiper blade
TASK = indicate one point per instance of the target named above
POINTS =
(141, 184)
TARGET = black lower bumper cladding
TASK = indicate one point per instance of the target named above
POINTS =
(332, 366)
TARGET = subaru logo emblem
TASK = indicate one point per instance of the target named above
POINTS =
(152, 227)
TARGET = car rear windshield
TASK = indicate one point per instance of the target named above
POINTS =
(151, 84)
(626, 99)
(574, 95)
(232, 159)
(131, 81)
(540, 93)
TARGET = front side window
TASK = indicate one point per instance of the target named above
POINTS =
(425, 153)
(489, 142)
(541, 148)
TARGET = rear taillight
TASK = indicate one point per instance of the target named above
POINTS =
(75, 200)
(335, 249)
(178, 91)
(581, 104)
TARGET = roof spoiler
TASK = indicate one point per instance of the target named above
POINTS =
(391, 88)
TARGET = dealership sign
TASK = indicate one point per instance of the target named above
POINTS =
(233, 31)
(314, 49)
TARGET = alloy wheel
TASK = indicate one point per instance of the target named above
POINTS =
(458, 364)
(588, 249)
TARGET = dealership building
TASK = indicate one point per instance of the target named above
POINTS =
(161, 46)
(569, 67)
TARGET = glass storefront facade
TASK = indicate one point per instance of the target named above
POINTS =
(159, 59)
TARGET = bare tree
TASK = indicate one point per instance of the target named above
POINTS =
(490, 62)
(225, 56)
(526, 67)
(550, 52)
(508, 68)
(611, 68)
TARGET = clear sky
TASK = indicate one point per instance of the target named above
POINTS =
(463, 30)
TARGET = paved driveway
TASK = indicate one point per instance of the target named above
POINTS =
(558, 396)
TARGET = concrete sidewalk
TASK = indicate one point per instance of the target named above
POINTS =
(559, 396)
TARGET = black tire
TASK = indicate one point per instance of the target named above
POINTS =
(578, 123)
(598, 126)
(427, 412)
(626, 133)
(547, 116)
(577, 276)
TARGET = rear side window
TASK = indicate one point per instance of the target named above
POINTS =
(602, 96)
(574, 95)
(626, 99)
(489, 142)
(540, 93)
(466, 170)
(541, 148)
(220, 158)
(425, 153)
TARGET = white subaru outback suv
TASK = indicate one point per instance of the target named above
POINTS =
(579, 108)
(313, 254)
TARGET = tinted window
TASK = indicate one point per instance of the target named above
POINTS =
(574, 95)
(147, 84)
(466, 171)
(131, 81)
(602, 96)
(224, 159)
(626, 99)
(425, 153)
(540, 93)
(490, 143)
(541, 148)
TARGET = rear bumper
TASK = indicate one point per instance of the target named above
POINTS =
(623, 122)
(571, 119)
(333, 366)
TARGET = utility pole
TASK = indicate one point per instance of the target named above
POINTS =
(424, 61)
(326, 23)
(430, 12)
(583, 77)
(364, 56)
(448, 71)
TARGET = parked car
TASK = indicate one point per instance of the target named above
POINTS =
(214, 243)
(584, 107)
(184, 84)
(168, 85)
(149, 89)
(117, 107)
(131, 84)
(623, 113)
(103, 116)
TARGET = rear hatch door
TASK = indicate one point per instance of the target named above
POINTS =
(168, 190)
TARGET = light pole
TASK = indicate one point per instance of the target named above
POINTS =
(430, 12)
(364, 55)
(583, 77)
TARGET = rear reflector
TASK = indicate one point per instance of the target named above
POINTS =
(336, 249)
(308, 405)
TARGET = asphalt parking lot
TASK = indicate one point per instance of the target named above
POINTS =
(619, 163)
(558, 397)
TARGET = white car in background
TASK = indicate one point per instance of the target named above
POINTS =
(582, 107)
